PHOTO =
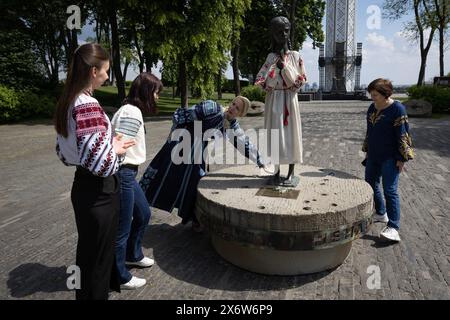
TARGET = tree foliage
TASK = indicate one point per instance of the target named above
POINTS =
(255, 37)
(306, 21)
(426, 17)
(17, 60)
(194, 39)
(197, 36)
(44, 23)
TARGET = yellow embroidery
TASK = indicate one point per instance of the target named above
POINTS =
(365, 146)
(373, 118)
(405, 147)
(401, 120)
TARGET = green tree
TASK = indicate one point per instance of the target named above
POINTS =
(98, 15)
(45, 24)
(113, 7)
(423, 19)
(131, 31)
(237, 24)
(18, 65)
(169, 74)
(144, 22)
(306, 21)
(255, 37)
(198, 37)
(220, 79)
(442, 8)
(114, 31)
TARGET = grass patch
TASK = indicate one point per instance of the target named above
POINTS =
(107, 96)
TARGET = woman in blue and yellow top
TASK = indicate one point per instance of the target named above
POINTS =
(388, 146)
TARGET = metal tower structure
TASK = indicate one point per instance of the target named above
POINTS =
(340, 60)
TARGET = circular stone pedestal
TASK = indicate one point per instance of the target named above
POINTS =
(290, 231)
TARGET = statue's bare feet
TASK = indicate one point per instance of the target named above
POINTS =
(291, 181)
(276, 179)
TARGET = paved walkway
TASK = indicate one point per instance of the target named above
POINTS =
(38, 235)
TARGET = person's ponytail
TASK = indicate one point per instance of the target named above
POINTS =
(85, 57)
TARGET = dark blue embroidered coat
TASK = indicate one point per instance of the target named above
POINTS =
(168, 185)
(387, 134)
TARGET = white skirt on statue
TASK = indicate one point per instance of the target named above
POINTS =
(281, 106)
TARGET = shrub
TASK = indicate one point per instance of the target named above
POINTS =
(108, 97)
(35, 105)
(24, 104)
(439, 97)
(254, 93)
(9, 102)
(228, 85)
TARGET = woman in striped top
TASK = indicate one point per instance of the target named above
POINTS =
(85, 140)
(134, 209)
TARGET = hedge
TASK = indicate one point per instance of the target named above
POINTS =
(254, 93)
(228, 85)
(18, 105)
(439, 97)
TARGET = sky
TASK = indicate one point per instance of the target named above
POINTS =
(387, 53)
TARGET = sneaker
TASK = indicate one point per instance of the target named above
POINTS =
(134, 283)
(144, 263)
(380, 217)
(389, 233)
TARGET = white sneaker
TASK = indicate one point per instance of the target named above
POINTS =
(389, 233)
(134, 283)
(380, 217)
(144, 263)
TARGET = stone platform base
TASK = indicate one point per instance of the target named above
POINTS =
(284, 231)
(280, 262)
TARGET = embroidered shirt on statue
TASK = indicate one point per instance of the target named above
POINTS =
(388, 134)
(129, 122)
(89, 140)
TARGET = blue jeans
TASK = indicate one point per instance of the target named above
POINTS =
(388, 171)
(133, 220)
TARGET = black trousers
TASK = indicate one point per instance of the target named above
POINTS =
(96, 202)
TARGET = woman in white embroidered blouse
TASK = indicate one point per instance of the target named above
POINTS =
(134, 209)
(85, 140)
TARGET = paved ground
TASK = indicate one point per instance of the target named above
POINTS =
(38, 235)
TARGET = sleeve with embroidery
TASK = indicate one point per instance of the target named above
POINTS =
(182, 116)
(60, 155)
(241, 142)
(266, 77)
(127, 123)
(202, 111)
(365, 146)
(94, 140)
(294, 75)
(206, 110)
(405, 151)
